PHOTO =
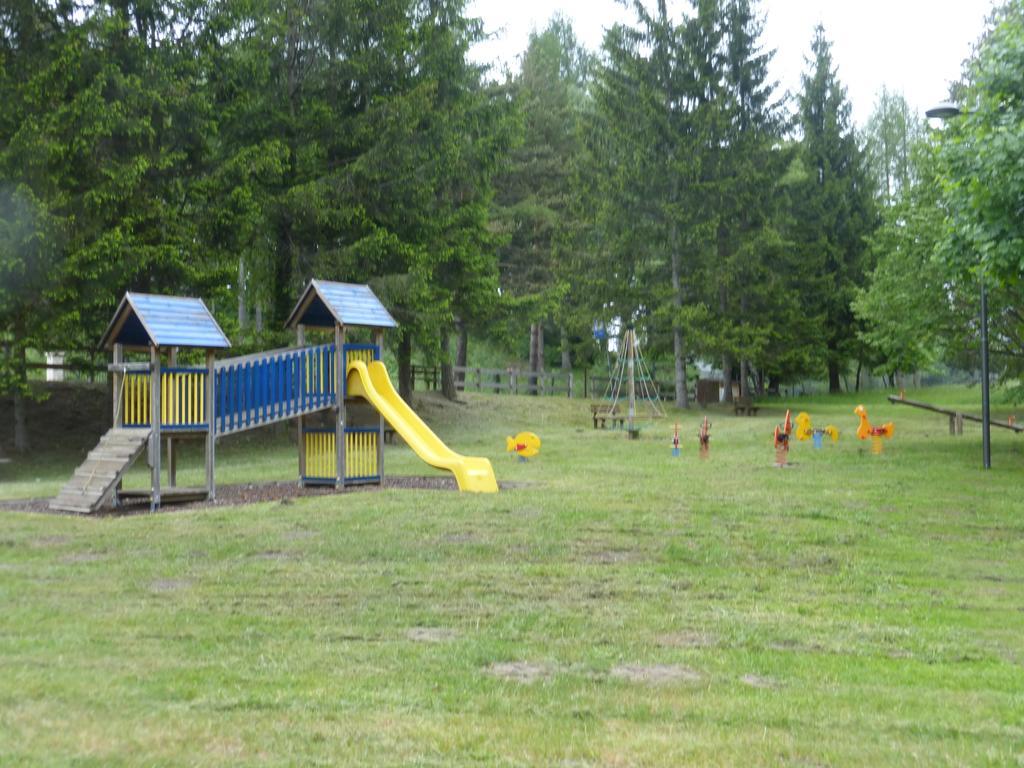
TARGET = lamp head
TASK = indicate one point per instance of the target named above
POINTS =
(944, 110)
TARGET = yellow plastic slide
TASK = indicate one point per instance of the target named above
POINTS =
(372, 383)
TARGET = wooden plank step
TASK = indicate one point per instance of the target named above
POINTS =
(102, 465)
(73, 501)
(127, 439)
(120, 456)
(70, 508)
(90, 474)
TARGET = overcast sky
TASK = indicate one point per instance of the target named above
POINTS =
(914, 47)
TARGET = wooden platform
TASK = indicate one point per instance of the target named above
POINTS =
(167, 495)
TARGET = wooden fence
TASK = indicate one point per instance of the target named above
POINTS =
(498, 380)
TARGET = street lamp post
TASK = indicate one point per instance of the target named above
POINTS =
(945, 111)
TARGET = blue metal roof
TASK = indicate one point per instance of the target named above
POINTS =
(142, 319)
(325, 303)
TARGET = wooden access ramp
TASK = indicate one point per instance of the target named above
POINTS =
(96, 480)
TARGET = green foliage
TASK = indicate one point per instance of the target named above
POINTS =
(983, 160)
(536, 212)
(834, 208)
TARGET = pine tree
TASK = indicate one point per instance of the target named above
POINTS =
(835, 207)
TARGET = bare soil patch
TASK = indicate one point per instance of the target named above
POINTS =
(759, 681)
(686, 639)
(169, 585)
(431, 634)
(82, 557)
(656, 674)
(519, 671)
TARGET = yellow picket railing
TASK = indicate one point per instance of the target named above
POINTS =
(135, 408)
(320, 460)
(361, 454)
(365, 355)
(182, 399)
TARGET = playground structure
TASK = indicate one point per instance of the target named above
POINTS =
(525, 445)
(782, 433)
(956, 418)
(866, 430)
(806, 431)
(630, 370)
(339, 443)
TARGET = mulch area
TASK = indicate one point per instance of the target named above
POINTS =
(247, 493)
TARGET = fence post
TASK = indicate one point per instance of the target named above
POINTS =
(479, 380)
(570, 385)
(513, 381)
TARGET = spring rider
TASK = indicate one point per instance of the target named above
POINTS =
(805, 431)
(705, 438)
(782, 433)
(866, 430)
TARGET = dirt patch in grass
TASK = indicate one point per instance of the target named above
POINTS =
(759, 681)
(461, 538)
(169, 585)
(431, 634)
(50, 541)
(686, 639)
(519, 671)
(300, 534)
(656, 674)
(271, 554)
(82, 557)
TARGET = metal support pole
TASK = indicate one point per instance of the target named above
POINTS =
(211, 426)
(172, 459)
(300, 383)
(154, 421)
(339, 422)
(378, 339)
(631, 359)
(986, 444)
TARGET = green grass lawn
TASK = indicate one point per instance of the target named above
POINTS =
(615, 607)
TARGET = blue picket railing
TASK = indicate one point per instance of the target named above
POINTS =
(262, 389)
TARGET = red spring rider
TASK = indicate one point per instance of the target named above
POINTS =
(782, 433)
(705, 438)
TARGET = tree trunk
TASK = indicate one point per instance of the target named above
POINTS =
(404, 355)
(744, 384)
(447, 372)
(833, 377)
(540, 348)
(461, 352)
(21, 443)
(283, 295)
(727, 377)
(856, 385)
(760, 383)
(678, 349)
(243, 309)
(566, 349)
(536, 355)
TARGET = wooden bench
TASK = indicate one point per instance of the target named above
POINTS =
(601, 414)
(744, 406)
